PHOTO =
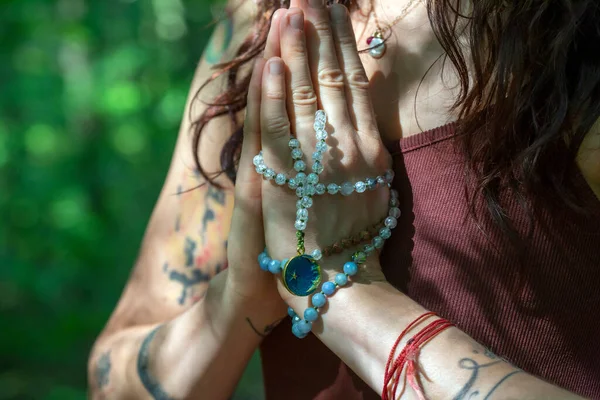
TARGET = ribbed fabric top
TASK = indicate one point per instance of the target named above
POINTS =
(540, 313)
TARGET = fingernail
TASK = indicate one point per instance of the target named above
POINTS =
(297, 21)
(275, 67)
(277, 13)
(338, 13)
(316, 3)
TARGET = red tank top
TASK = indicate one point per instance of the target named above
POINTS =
(543, 315)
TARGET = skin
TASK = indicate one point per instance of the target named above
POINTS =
(186, 324)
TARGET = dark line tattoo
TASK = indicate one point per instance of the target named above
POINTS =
(150, 382)
(268, 329)
(216, 194)
(209, 215)
(467, 392)
(187, 281)
(178, 217)
(189, 250)
(103, 370)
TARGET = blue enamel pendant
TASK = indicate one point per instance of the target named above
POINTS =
(301, 275)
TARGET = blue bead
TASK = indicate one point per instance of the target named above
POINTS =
(328, 288)
(261, 256)
(310, 314)
(319, 300)
(291, 312)
(296, 331)
(264, 263)
(341, 279)
(304, 326)
(295, 319)
(275, 266)
(350, 268)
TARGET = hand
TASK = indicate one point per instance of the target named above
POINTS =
(319, 68)
(246, 237)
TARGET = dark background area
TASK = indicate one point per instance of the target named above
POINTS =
(92, 94)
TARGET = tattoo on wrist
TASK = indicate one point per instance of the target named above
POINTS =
(150, 382)
(220, 41)
(102, 371)
(268, 329)
(469, 391)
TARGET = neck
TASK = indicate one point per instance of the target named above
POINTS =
(409, 95)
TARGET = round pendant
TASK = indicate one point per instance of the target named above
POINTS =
(301, 275)
(377, 47)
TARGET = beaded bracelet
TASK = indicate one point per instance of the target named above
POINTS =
(301, 275)
(302, 279)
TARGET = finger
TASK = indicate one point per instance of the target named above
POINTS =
(301, 97)
(272, 45)
(248, 207)
(360, 108)
(327, 76)
(275, 124)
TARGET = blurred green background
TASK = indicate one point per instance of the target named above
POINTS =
(92, 94)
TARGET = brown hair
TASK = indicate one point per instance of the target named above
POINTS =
(532, 94)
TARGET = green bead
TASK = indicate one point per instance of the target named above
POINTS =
(359, 257)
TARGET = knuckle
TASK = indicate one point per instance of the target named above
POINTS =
(304, 95)
(358, 79)
(331, 77)
(275, 94)
(278, 127)
(323, 28)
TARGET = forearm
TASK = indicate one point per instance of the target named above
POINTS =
(362, 322)
(201, 352)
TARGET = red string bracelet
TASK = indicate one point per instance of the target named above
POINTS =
(409, 353)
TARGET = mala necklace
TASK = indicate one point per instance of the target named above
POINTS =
(376, 42)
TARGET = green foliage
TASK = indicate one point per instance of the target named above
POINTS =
(92, 97)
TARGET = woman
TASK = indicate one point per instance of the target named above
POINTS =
(499, 230)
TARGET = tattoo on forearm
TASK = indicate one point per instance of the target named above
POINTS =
(268, 329)
(219, 42)
(150, 383)
(178, 217)
(189, 251)
(186, 280)
(469, 391)
(103, 370)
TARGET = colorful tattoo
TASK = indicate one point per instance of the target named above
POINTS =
(187, 281)
(220, 41)
(150, 383)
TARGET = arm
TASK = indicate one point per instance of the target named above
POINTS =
(176, 332)
(369, 318)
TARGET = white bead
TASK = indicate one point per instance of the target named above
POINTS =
(261, 168)
(394, 193)
(389, 176)
(317, 167)
(369, 248)
(321, 146)
(316, 254)
(377, 49)
(310, 190)
(317, 156)
(302, 214)
(394, 212)
(307, 202)
(319, 125)
(294, 143)
(360, 187)
(391, 222)
(347, 188)
(394, 202)
(257, 160)
(300, 225)
(312, 178)
(378, 242)
(300, 191)
(299, 204)
(301, 178)
(321, 134)
(280, 179)
(320, 188)
(292, 184)
(296, 154)
(385, 233)
(299, 165)
(380, 180)
(332, 188)
(320, 115)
